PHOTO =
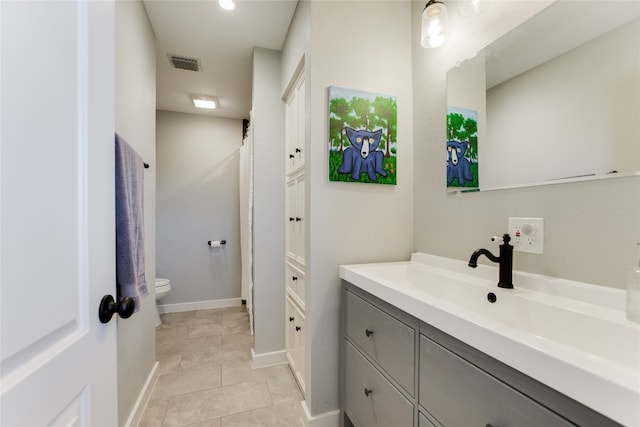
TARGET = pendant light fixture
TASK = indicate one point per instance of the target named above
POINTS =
(435, 24)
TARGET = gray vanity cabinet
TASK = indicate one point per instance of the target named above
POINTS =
(397, 371)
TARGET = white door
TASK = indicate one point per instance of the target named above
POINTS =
(57, 213)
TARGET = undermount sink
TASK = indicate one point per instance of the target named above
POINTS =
(571, 336)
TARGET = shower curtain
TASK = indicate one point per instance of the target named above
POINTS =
(246, 220)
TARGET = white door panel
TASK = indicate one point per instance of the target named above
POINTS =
(57, 213)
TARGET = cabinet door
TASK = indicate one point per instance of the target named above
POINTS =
(291, 126)
(291, 209)
(300, 220)
(457, 393)
(295, 341)
(290, 335)
(298, 345)
(295, 126)
(295, 219)
(298, 149)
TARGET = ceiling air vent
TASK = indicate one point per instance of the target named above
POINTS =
(184, 62)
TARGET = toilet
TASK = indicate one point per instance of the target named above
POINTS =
(163, 287)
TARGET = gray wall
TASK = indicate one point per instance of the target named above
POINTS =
(348, 222)
(268, 203)
(135, 121)
(590, 227)
(198, 201)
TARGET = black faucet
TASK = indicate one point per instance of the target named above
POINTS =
(505, 261)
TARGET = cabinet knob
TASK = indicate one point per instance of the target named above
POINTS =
(298, 150)
(298, 219)
(291, 319)
(291, 156)
(369, 332)
(291, 219)
(367, 391)
(298, 328)
(294, 278)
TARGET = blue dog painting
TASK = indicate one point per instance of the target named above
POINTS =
(458, 166)
(363, 156)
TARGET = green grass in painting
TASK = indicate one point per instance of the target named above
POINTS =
(335, 160)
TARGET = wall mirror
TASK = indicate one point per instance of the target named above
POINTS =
(557, 99)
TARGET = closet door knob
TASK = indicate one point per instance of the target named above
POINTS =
(368, 332)
(367, 391)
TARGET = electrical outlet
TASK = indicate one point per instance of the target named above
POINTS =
(527, 234)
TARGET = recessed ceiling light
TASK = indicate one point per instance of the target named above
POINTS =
(227, 4)
(205, 101)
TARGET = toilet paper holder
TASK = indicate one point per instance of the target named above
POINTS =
(216, 243)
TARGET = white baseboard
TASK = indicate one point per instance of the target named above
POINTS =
(143, 398)
(199, 305)
(327, 419)
(268, 359)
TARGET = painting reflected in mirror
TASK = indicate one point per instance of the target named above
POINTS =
(557, 99)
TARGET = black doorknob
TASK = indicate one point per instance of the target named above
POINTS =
(108, 307)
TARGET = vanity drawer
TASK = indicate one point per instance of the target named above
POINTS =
(386, 340)
(369, 398)
(457, 393)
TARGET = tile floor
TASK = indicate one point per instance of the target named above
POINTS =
(206, 379)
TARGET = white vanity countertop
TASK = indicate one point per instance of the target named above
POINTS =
(572, 336)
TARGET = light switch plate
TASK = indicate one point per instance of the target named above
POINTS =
(527, 234)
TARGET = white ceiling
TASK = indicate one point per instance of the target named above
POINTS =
(222, 40)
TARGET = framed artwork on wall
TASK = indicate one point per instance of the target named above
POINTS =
(462, 148)
(362, 136)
